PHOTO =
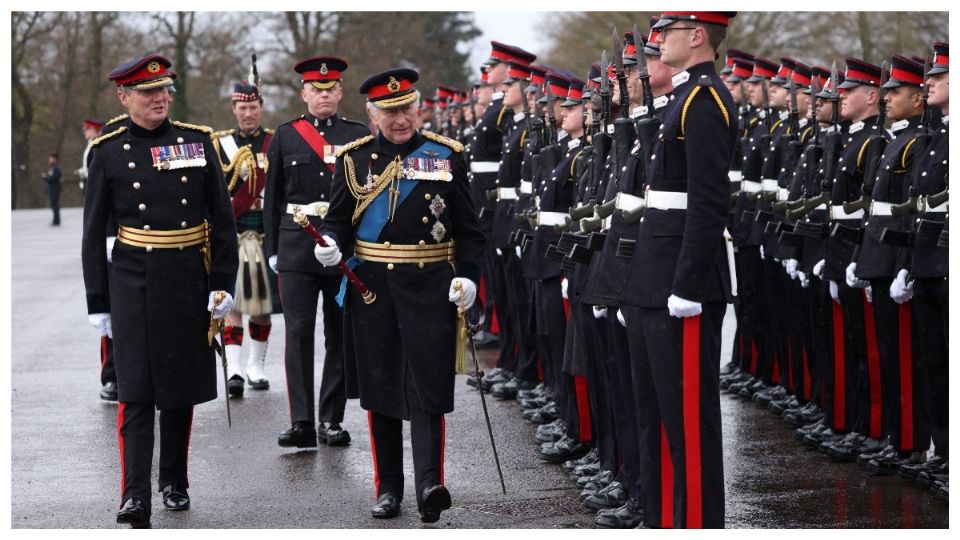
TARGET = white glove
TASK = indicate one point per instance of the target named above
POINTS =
(519, 252)
(220, 310)
(804, 280)
(900, 290)
(330, 255)
(818, 268)
(762, 256)
(110, 241)
(101, 321)
(466, 296)
(499, 252)
(623, 322)
(834, 291)
(868, 290)
(852, 279)
(681, 308)
(563, 287)
(791, 267)
(272, 261)
(599, 312)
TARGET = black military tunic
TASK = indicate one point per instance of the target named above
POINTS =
(411, 324)
(158, 297)
(681, 252)
(300, 174)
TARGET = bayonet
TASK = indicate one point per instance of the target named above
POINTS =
(621, 74)
(766, 103)
(604, 89)
(644, 75)
(551, 120)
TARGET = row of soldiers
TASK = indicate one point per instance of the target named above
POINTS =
(835, 242)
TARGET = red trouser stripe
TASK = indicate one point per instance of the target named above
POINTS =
(373, 452)
(103, 351)
(873, 369)
(443, 443)
(666, 481)
(807, 383)
(776, 369)
(286, 379)
(839, 371)
(906, 379)
(691, 420)
(566, 308)
(583, 407)
(753, 357)
(539, 370)
(123, 468)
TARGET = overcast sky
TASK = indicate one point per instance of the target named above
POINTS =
(517, 28)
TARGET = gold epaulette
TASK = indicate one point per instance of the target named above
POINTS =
(224, 133)
(446, 141)
(269, 131)
(116, 119)
(354, 144)
(110, 135)
(183, 125)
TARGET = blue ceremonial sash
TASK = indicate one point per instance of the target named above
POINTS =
(378, 212)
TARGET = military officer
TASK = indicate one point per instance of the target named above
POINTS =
(684, 281)
(874, 263)
(91, 130)
(300, 172)
(242, 151)
(173, 261)
(402, 204)
(52, 179)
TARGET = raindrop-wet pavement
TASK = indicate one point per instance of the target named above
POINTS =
(65, 462)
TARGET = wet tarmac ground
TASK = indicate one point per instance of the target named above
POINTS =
(64, 468)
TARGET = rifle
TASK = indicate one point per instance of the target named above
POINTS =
(604, 91)
(832, 146)
(814, 151)
(623, 128)
(647, 128)
(920, 148)
(791, 151)
(876, 145)
(767, 125)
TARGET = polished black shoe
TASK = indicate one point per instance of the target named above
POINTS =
(885, 466)
(433, 500)
(587, 470)
(815, 438)
(134, 514)
(534, 403)
(941, 489)
(627, 516)
(511, 388)
(387, 506)
(538, 391)
(611, 496)
(549, 435)
(845, 449)
(596, 482)
(495, 377)
(764, 398)
(887, 452)
(175, 498)
(927, 479)
(562, 450)
(778, 406)
(735, 387)
(803, 431)
(301, 435)
(544, 415)
(758, 385)
(109, 391)
(235, 386)
(729, 369)
(592, 456)
(932, 465)
(332, 434)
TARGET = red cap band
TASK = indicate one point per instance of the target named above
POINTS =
(908, 77)
(330, 75)
(384, 89)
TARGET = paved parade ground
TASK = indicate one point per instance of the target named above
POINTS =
(65, 463)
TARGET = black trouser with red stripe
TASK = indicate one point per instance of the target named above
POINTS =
(299, 293)
(551, 335)
(844, 364)
(752, 322)
(623, 404)
(519, 297)
(773, 367)
(801, 378)
(135, 434)
(507, 314)
(427, 438)
(681, 357)
(577, 400)
(931, 309)
(108, 372)
(853, 320)
(901, 378)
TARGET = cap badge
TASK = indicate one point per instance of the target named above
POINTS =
(153, 67)
(323, 69)
(393, 85)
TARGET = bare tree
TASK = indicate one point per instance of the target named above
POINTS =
(180, 33)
